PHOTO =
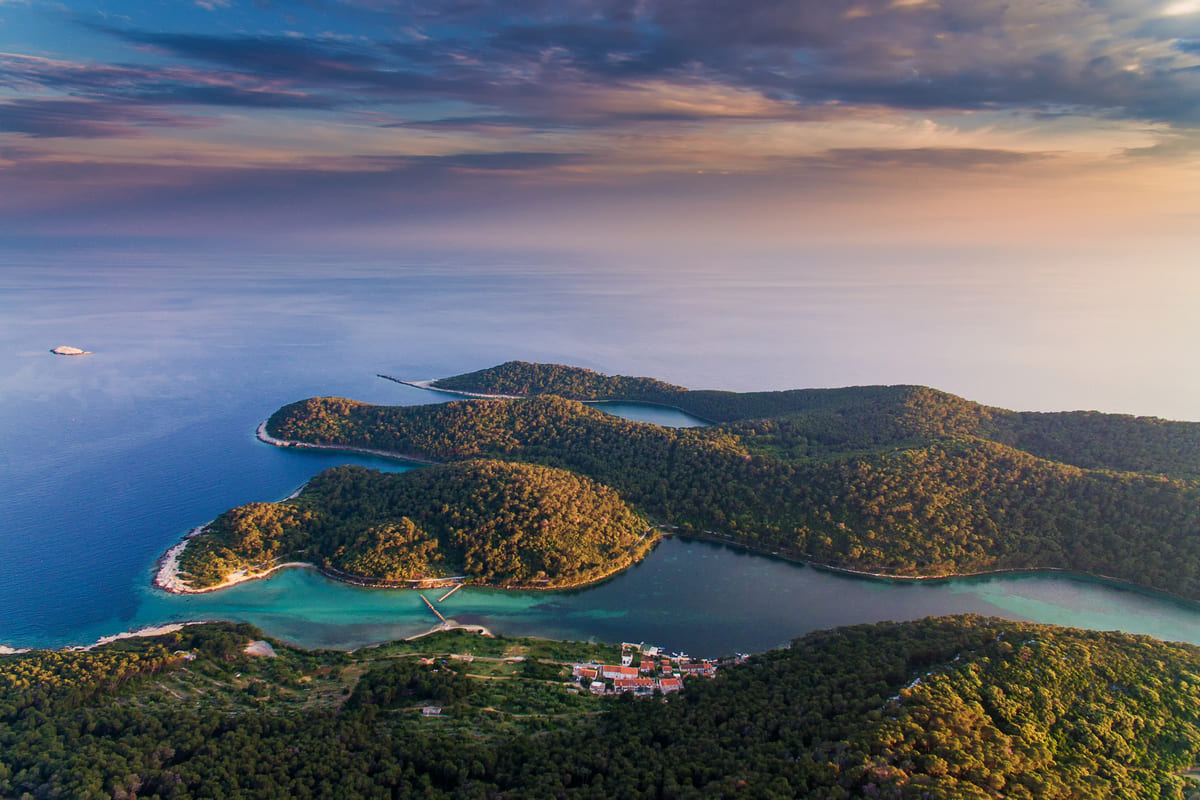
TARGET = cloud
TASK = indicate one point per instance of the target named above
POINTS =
(952, 158)
(85, 119)
(1108, 57)
(1182, 8)
(135, 85)
(379, 105)
(487, 162)
(265, 56)
(1178, 145)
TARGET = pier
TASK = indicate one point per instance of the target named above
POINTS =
(431, 608)
(457, 586)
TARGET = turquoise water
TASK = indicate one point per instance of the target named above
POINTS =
(657, 415)
(705, 598)
(106, 460)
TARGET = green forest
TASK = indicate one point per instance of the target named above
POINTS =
(1086, 439)
(489, 522)
(939, 709)
(896, 480)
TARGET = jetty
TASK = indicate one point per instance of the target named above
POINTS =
(457, 586)
(431, 608)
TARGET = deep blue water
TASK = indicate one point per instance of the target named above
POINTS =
(106, 460)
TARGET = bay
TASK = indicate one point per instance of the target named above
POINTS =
(705, 598)
(106, 460)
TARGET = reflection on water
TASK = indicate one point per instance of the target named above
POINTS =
(107, 460)
(646, 412)
(705, 598)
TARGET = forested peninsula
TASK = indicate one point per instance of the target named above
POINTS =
(955, 708)
(487, 522)
(901, 481)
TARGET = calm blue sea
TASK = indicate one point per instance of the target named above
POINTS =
(106, 460)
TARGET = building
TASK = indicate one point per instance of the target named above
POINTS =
(698, 668)
(614, 672)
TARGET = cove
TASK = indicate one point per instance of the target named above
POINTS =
(705, 598)
(108, 460)
(666, 416)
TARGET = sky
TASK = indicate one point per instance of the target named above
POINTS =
(659, 125)
(1000, 198)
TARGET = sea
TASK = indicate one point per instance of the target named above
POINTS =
(108, 459)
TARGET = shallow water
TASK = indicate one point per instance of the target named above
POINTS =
(698, 596)
(106, 460)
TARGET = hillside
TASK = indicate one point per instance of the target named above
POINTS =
(944, 709)
(867, 416)
(899, 491)
(493, 523)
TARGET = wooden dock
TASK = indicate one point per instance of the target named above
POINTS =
(431, 608)
(457, 586)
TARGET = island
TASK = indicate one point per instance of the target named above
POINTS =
(900, 482)
(64, 350)
(489, 523)
(949, 708)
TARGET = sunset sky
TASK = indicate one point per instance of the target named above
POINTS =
(611, 123)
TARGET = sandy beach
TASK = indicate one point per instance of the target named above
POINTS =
(167, 577)
(169, 580)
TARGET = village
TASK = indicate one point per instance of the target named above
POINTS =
(653, 670)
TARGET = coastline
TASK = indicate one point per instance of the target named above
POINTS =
(450, 625)
(175, 585)
(166, 573)
(262, 435)
(429, 386)
(707, 422)
(167, 577)
(717, 537)
(153, 630)
(1075, 574)
(999, 572)
(168, 566)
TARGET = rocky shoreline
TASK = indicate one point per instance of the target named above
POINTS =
(267, 438)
